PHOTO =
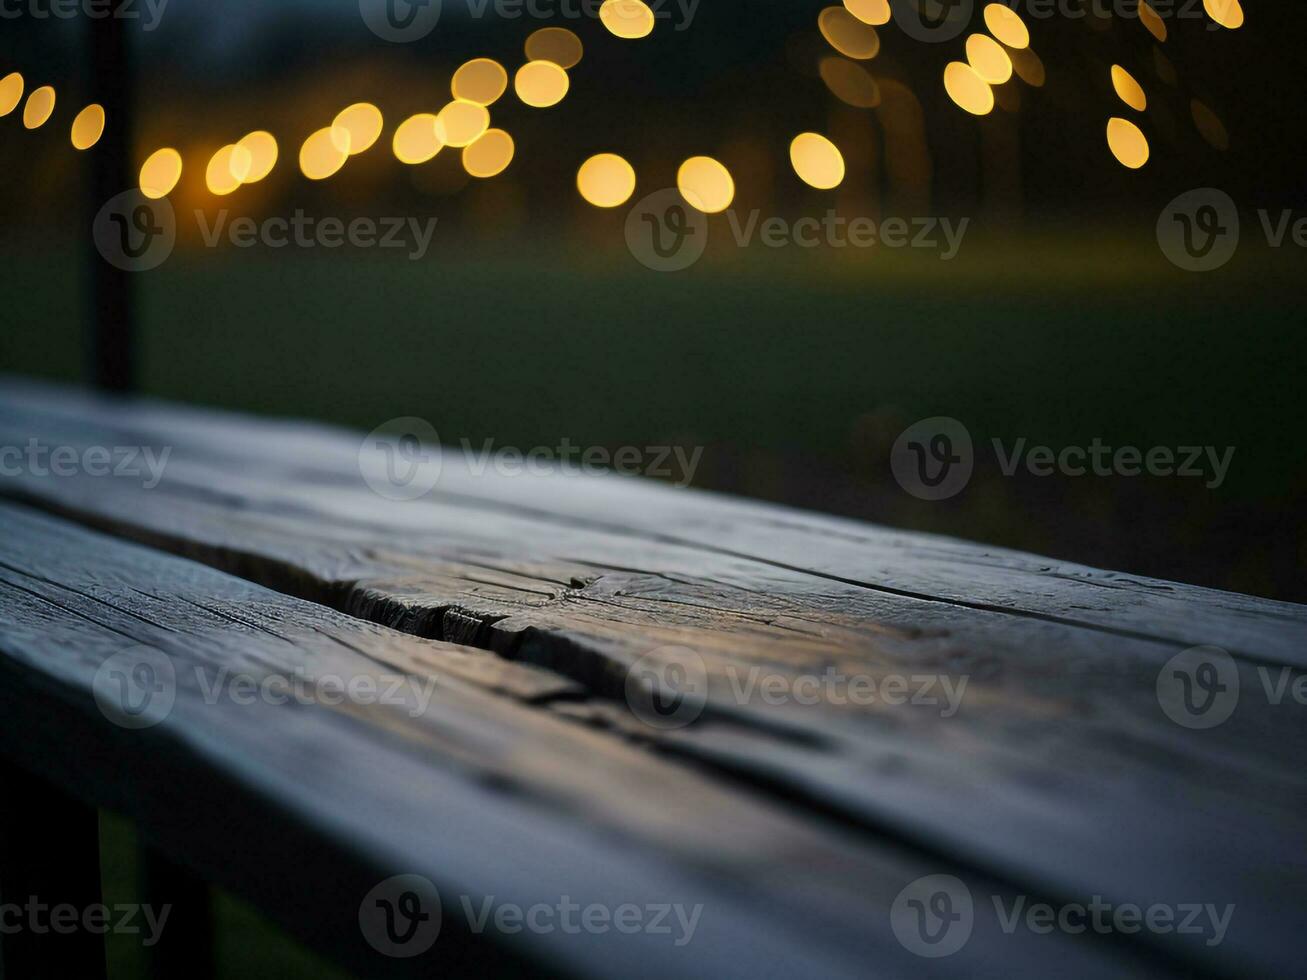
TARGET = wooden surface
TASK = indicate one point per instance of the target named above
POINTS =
(528, 599)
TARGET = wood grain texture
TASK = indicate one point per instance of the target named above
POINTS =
(306, 806)
(1059, 774)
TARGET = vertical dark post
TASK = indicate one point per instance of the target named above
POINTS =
(50, 869)
(112, 334)
(185, 946)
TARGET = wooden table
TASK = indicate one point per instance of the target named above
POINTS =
(612, 694)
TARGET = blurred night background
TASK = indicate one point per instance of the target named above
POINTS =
(529, 321)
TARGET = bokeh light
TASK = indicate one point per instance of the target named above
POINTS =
(160, 172)
(966, 88)
(88, 127)
(40, 104)
(1227, 13)
(1128, 90)
(489, 155)
(848, 35)
(630, 19)
(11, 92)
(322, 154)
(226, 169)
(849, 82)
(706, 184)
(606, 180)
(1151, 20)
(817, 161)
(1127, 143)
(875, 12)
(989, 59)
(363, 122)
(415, 140)
(556, 44)
(460, 123)
(481, 80)
(540, 84)
(1006, 25)
(262, 149)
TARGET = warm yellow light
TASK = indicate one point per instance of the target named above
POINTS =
(1127, 143)
(262, 149)
(1006, 25)
(481, 80)
(160, 172)
(88, 127)
(849, 82)
(540, 84)
(848, 35)
(11, 92)
(324, 152)
(606, 180)
(415, 140)
(40, 104)
(630, 19)
(875, 12)
(989, 59)
(1227, 13)
(965, 87)
(817, 161)
(459, 123)
(1128, 90)
(1150, 19)
(706, 184)
(226, 169)
(363, 122)
(489, 155)
(556, 44)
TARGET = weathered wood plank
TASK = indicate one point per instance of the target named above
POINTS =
(1059, 771)
(306, 806)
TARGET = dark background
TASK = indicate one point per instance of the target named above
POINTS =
(529, 321)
